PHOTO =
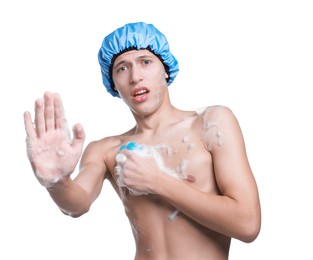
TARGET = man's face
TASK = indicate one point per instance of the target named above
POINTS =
(139, 77)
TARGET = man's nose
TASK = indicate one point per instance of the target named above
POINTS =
(135, 75)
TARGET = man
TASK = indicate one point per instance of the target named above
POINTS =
(182, 176)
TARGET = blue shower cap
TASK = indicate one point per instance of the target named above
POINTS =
(134, 36)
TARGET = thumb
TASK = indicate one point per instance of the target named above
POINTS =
(78, 135)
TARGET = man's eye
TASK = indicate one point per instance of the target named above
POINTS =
(121, 69)
(146, 61)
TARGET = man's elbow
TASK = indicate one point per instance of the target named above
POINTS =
(75, 214)
(250, 230)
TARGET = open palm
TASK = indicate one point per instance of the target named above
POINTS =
(50, 149)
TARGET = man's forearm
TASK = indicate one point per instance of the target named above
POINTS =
(70, 198)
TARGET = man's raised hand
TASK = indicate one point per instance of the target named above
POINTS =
(51, 151)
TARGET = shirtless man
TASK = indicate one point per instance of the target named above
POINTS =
(182, 176)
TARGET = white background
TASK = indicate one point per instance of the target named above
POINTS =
(255, 57)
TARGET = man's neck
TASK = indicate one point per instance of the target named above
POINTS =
(156, 121)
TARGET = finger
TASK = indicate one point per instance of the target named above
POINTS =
(59, 112)
(129, 154)
(39, 117)
(120, 158)
(78, 135)
(118, 170)
(29, 128)
(49, 111)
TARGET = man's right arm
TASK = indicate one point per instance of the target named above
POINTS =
(74, 197)
(53, 156)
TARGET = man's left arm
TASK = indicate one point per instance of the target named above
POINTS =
(236, 211)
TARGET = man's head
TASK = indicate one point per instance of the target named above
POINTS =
(134, 36)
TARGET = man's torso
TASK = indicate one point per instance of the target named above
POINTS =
(160, 231)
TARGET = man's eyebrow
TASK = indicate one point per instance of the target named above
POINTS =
(144, 56)
(119, 63)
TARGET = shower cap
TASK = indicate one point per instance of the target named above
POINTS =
(134, 36)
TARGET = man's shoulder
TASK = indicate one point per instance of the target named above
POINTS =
(110, 142)
(215, 111)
